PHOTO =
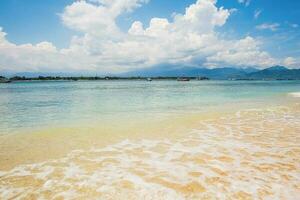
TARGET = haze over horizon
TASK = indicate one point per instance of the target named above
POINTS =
(117, 36)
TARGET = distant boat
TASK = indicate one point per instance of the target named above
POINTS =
(183, 79)
(202, 78)
(149, 79)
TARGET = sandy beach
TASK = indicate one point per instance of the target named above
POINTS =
(249, 154)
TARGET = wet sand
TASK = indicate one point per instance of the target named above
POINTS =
(249, 154)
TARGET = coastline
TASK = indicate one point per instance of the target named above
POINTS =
(59, 141)
(27, 146)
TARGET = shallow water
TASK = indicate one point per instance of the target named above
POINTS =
(27, 105)
(236, 140)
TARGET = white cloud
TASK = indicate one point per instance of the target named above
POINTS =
(245, 2)
(266, 26)
(294, 25)
(98, 17)
(257, 13)
(189, 38)
(244, 52)
(291, 62)
(233, 10)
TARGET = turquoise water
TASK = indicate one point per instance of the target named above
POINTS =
(25, 105)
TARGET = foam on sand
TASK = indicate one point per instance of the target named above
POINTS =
(251, 155)
(295, 94)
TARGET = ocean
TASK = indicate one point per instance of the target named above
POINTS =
(150, 140)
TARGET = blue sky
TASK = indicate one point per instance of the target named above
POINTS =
(275, 24)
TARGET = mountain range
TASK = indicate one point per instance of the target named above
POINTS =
(275, 72)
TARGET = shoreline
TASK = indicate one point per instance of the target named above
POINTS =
(58, 141)
(146, 79)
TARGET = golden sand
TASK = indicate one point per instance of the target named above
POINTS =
(250, 154)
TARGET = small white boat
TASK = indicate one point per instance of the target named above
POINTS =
(183, 79)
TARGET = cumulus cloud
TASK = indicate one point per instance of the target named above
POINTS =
(244, 52)
(266, 26)
(189, 38)
(98, 17)
(26, 56)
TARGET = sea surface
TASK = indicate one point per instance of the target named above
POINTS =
(150, 140)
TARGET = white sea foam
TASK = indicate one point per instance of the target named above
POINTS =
(254, 154)
(295, 94)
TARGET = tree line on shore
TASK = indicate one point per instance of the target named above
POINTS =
(93, 78)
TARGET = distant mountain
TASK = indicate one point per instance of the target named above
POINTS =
(276, 68)
(276, 72)
(250, 69)
(216, 73)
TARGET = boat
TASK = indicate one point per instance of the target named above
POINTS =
(149, 79)
(183, 79)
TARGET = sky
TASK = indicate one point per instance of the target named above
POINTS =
(113, 36)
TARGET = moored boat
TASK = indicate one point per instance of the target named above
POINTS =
(183, 79)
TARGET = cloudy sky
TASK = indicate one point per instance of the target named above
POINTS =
(112, 36)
